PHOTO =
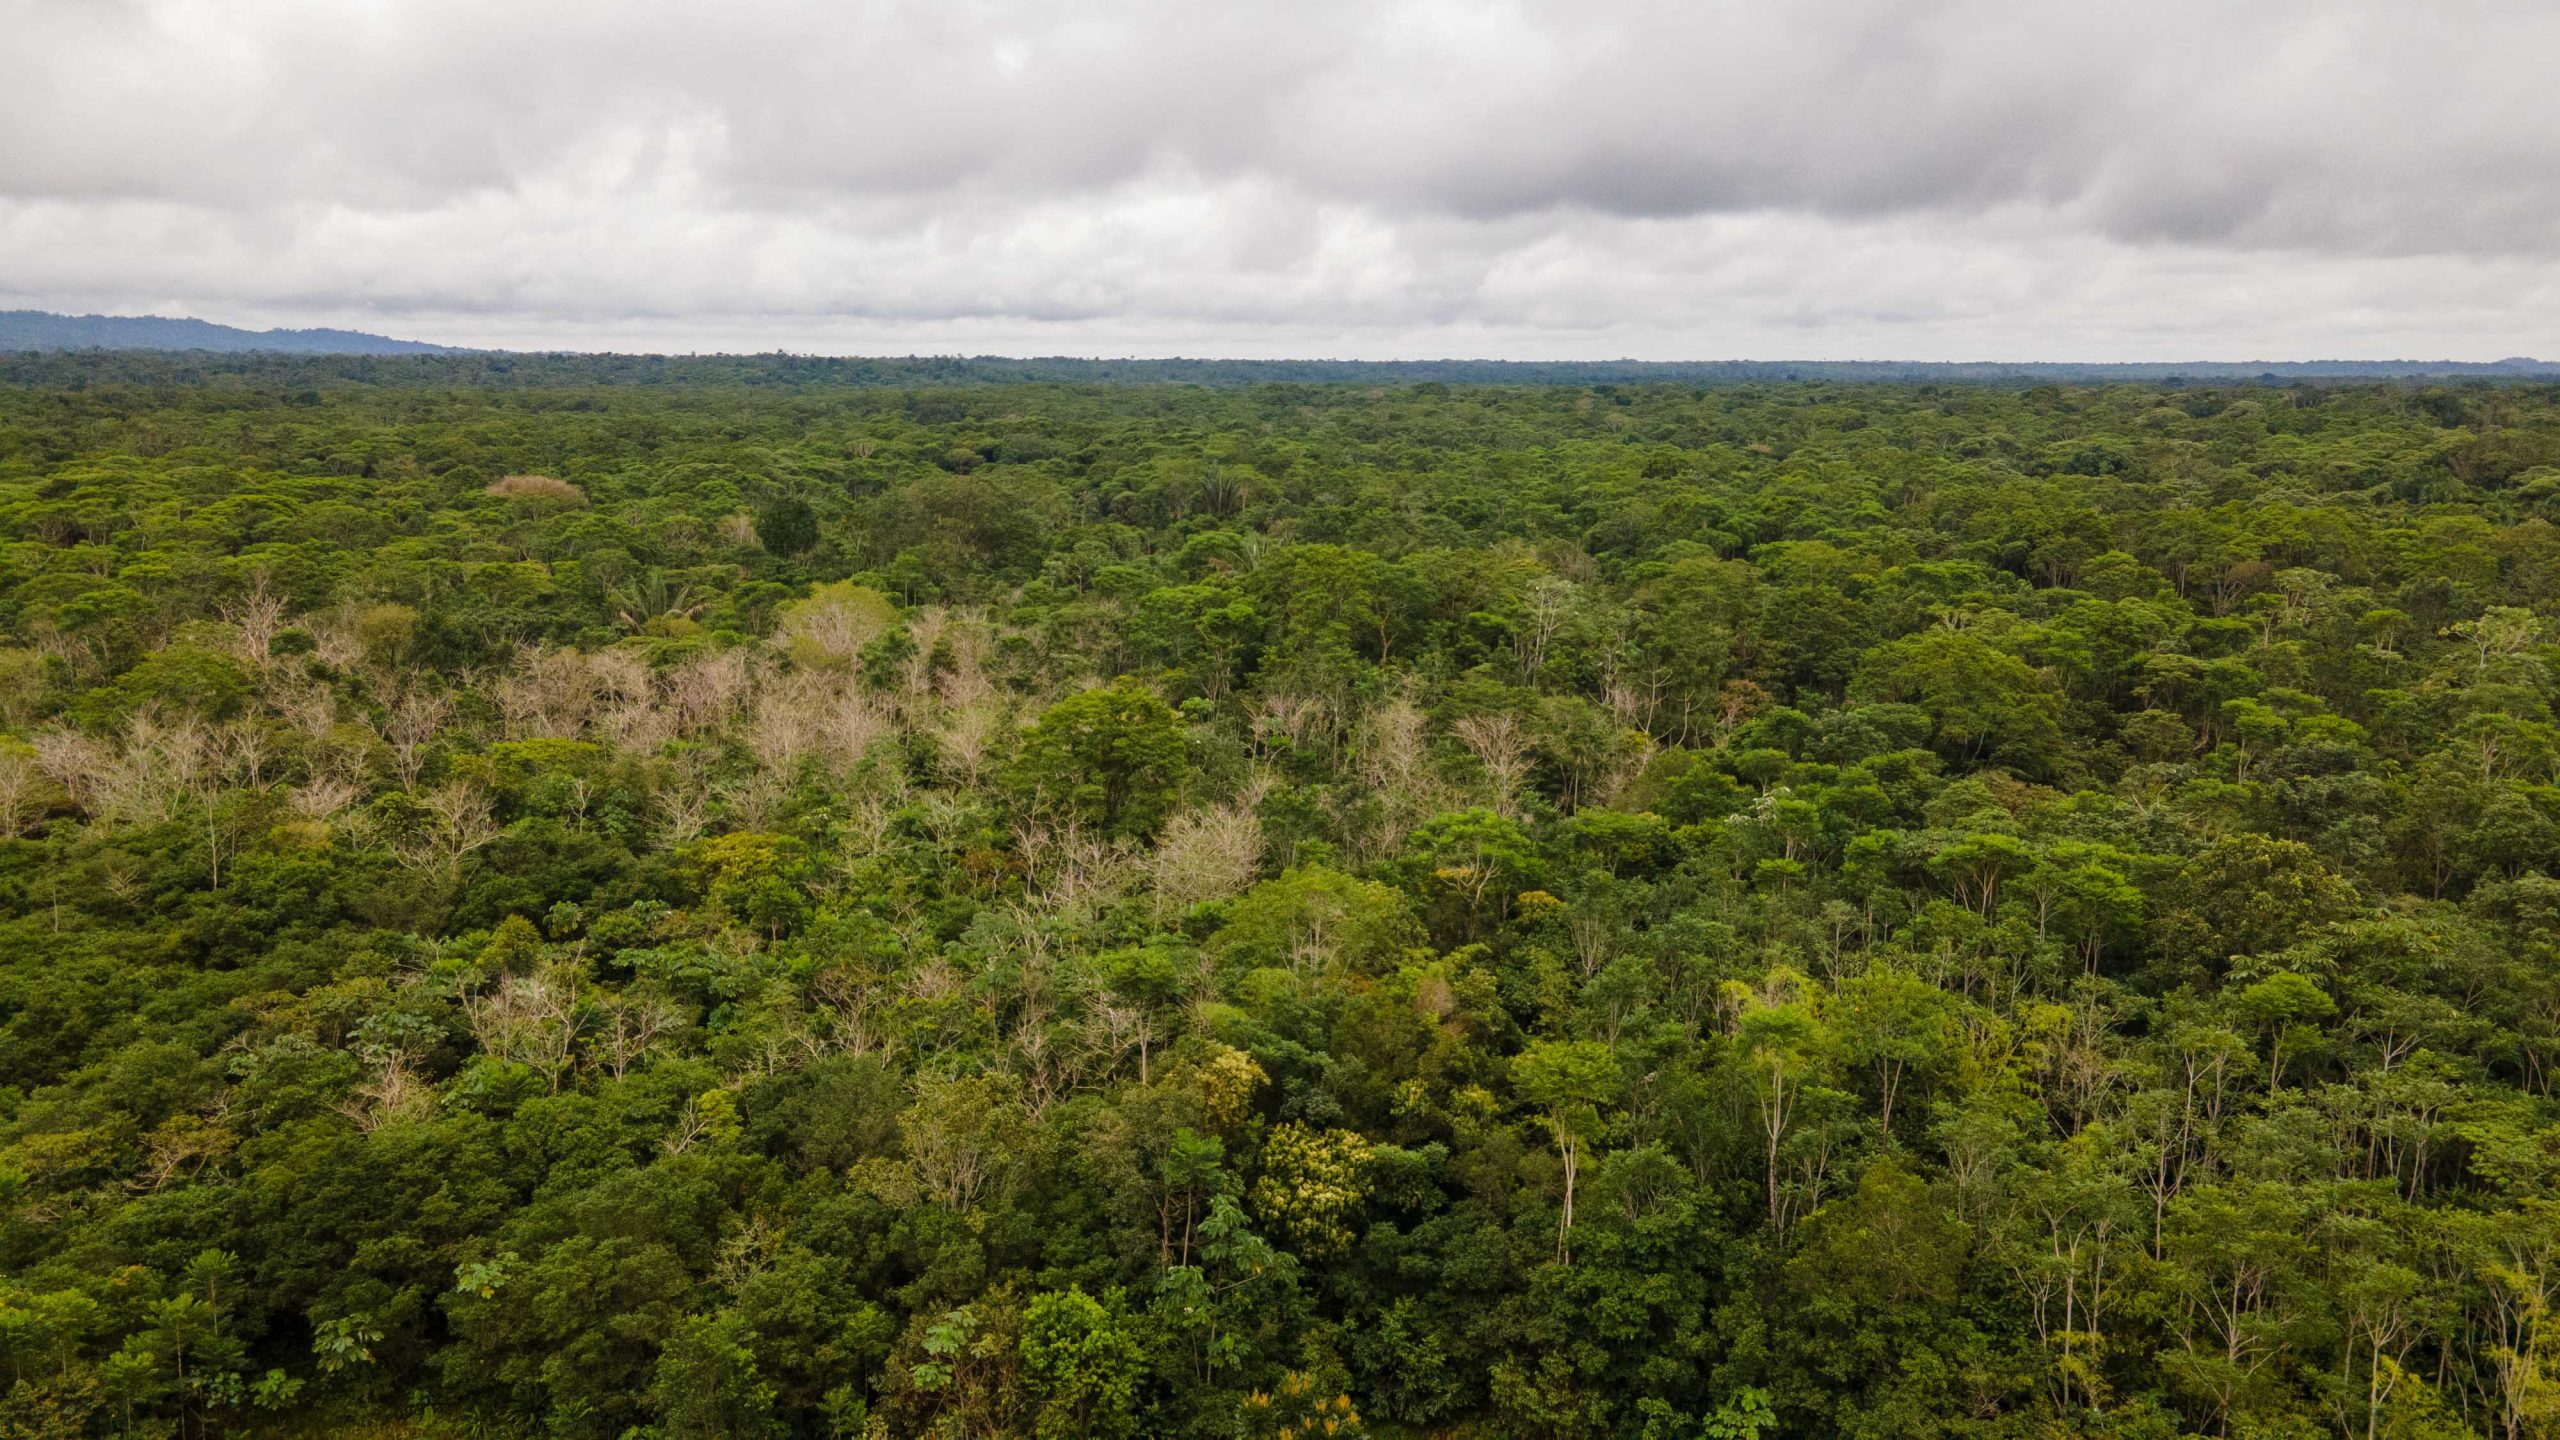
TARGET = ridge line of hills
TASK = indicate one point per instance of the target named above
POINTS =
(45, 330)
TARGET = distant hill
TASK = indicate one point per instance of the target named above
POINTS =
(42, 330)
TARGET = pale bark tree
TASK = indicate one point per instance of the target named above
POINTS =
(256, 618)
(547, 694)
(1501, 747)
(1206, 855)
(26, 792)
(1543, 611)
(457, 819)
(532, 1020)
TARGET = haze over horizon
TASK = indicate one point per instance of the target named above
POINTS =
(1951, 181)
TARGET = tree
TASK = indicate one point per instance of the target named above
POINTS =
(1297, 1407)
(1896, 1026)
(1985, 703)
(787, 526)
(1079, 1353)
(1316, 920)
(706, 1386)
(1113, 758)
(830, 628)
(1688, 620)
(1313, 1184)
(2279, 1006)
(960, 1135)
(1781, 1040)
(1889, 1244)
(1205, 631)
(1569, 1080)
(2249, 894)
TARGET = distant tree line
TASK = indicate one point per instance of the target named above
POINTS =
(50, 355)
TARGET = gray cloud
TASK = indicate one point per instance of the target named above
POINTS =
(1823, 177)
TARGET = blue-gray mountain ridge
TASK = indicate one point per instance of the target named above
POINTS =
(43, 330)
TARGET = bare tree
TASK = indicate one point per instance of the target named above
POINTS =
(76, 762)
(1499, 746)
(235, 751)
(26, 792)
(151, 771)
(306, 705)
(1125, 1028)
(787, 723)
(257, 616)
(848, 727)
(394, 1091)
(629, 1028)
(548, 695)
(1206, 855)
(1294, 718)
(532, 1020)
(848, 1009)
(1543, 608)
(1392, 748)
(706, 691)
(322, 798)
(871, 805)
(241, 749)
(964, 641)
(1619, 768)
(967, 741)
(927, 629)
(415, 720)
(686, 798)
(1625, 702)
(630, 714)
(334, 639)
(1072, 870)
(642, 724)
(1048, 1069)
(457, 819)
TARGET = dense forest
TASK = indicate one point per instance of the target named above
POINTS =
(734, 909)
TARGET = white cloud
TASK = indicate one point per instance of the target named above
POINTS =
(1824, 178)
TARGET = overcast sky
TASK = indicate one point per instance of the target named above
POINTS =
(2039, 179)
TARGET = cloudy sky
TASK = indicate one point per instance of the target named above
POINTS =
(2035, 179)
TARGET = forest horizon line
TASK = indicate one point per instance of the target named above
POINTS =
(43, 348)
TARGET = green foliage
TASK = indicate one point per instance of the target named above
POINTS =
(1082, 1355)
(1313, 1185)
(546, 906)
(1316, 919)
(1982, 702)
(787, 526)
(705, 1386)
(1111, 757)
